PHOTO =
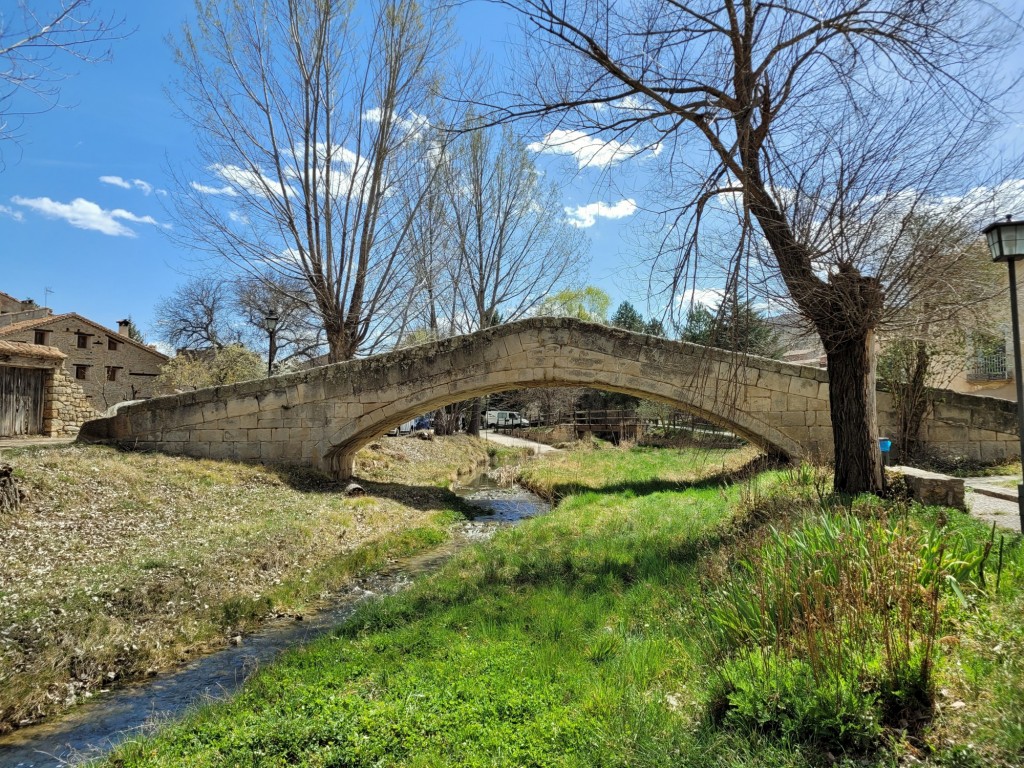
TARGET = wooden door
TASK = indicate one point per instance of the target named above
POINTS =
(21, 401)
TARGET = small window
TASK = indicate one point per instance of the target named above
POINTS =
(111, 373)
(81, 372)
(83, 341)
(112, 346)
(42, 337)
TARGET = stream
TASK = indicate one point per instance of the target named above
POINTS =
(94, 728)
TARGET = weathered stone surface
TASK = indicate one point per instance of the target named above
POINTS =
(324, 415)
(931, 487)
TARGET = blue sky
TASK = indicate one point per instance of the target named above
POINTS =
(82, 207)
(82, 200)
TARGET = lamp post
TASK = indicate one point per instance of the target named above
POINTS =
(271, 327)
(1006, 243)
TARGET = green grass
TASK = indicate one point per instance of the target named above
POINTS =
(122, 564)
(582, 639)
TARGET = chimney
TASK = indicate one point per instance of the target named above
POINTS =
(122, 326)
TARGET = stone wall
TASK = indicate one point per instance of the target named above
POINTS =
(324, 415)
(66, 408)
(981, 429)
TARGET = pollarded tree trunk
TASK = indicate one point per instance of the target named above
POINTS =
(851, 376)
(10, 497)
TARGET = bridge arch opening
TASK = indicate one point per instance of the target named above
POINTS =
(351, 436)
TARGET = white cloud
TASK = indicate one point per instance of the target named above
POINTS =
(709, 297)
(85, 214)
(413, 125)
(588, 150)
(6, 210)
(208, 190)
(587, 215)
(253, 182)
(144, 186)
(117, 181)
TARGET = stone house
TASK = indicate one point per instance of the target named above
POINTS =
(58, 370)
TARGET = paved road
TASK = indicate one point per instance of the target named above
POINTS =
(516, 442)
(992, 502)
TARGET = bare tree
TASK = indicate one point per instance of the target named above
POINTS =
(309, 119)
(198, 315)
(511, 242)
(34, 39)
(830, 125)
(297, 334)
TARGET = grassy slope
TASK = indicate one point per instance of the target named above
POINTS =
(120, 564)
(572, 640)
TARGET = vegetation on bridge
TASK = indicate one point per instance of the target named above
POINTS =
(653, 623)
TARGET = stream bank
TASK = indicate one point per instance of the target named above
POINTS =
(96, 727)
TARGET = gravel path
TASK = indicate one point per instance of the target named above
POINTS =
(992, 510)
(516, 442)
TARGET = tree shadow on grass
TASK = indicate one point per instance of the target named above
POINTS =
(421, 497)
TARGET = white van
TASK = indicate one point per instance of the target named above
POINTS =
(504, 419)
(402, 429)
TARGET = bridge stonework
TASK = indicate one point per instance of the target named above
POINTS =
(324, 415)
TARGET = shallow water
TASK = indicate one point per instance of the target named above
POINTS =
(94, 728)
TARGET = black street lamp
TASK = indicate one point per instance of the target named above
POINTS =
(1006, 242)
(271, 328)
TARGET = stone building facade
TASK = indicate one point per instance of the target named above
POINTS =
(108, 366)
(63, 406)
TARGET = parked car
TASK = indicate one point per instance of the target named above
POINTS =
(402, 429)
(504, 419)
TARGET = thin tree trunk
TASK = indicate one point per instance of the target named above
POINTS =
(916, 401)
(851, 376)
(474, 417)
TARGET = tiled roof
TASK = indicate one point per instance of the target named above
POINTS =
(30, 350)
(25, 325)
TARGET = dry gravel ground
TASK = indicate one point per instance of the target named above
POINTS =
(122, 564)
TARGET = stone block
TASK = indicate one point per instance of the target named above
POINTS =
(773, 381)
(759, 404)
(994, 451)
(207, 435)
(804, 387)
(797, 403)
(259, 435)
(793, 419)
(274, 451)
(214, 411)
(939, 434)
(951, 414)
(273, 400)
(242, 406)
(932, 488)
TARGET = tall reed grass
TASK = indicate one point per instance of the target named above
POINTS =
(827, 632)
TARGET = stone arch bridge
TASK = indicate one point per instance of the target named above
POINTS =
(322, 416)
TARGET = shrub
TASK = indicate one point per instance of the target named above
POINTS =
(828, 631)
